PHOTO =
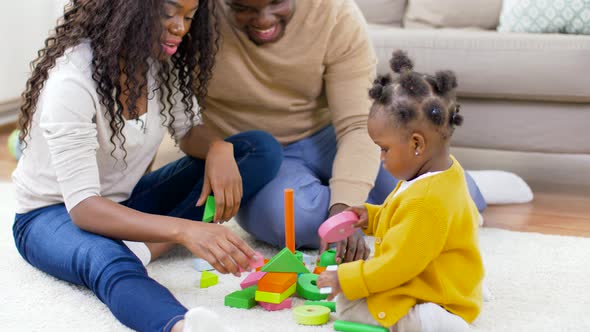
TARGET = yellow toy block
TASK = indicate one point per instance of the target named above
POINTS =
(208, 279)
(275, 298)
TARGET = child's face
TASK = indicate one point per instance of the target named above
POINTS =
(398, 152)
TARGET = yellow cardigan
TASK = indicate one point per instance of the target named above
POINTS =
(426, 250)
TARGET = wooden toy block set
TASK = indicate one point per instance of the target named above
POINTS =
(277, 279)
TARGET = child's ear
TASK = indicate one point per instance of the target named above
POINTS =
(418, 143)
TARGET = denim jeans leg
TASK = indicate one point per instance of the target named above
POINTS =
(49, 240)
(174, 189)
(306, 168)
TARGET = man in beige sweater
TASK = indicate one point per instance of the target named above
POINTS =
(300, 70)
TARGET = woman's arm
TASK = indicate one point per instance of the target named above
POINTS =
(222, 175)
(199, 140)
(214, 243)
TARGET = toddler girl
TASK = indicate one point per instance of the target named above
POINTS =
(427, 272)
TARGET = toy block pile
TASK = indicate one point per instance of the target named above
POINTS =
(272, 287)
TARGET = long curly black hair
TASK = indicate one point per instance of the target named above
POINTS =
(123, 31)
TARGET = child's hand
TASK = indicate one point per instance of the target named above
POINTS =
(329, 279)
(360, 211)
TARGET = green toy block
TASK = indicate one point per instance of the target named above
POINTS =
(209, 209)
(299, 255)
(344, 326)
(328, 257)
(275, 298)
(307, 287)
(285, 261)
(243, 299)
(328, 304)
(208, 279)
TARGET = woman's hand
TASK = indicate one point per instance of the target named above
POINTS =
(329, 279)
(223, 177)
(216, 244)
(354, 247)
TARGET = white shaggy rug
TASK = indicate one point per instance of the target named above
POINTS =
(539, 283)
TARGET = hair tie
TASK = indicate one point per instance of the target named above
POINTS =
(435, 112)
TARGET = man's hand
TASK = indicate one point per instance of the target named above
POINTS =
(354, 247)
(223, 177)
(329, 279)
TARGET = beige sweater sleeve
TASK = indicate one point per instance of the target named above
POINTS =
(350, 69)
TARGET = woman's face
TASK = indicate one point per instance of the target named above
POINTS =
(177, 16)
(264, 21)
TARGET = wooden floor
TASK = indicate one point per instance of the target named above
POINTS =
(561, 213)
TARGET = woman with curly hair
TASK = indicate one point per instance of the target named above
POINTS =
(111, 79)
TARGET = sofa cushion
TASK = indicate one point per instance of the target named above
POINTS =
(489, 64)
(383, 11)
(482, 14)
(542, 16)
(544, 127)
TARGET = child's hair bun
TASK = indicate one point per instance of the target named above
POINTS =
(456, 119)
(414, 85)
(446, 81)
(379, 92)
(400, 62)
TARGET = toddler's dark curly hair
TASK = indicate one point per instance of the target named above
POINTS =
(414, 96)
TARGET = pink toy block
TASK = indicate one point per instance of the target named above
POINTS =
(286, 304)
(258, 262)
(252, 279)
(338, 227)
(255, 263)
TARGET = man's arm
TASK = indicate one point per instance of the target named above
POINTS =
(350, 69)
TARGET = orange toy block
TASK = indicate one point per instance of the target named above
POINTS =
(289, 220)
(319, 269)
(276, 282)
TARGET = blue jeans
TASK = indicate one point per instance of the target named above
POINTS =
(48, 239)
(307, 168)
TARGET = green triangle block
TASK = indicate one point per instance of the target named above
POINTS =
(209, 209)
(284, 261)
